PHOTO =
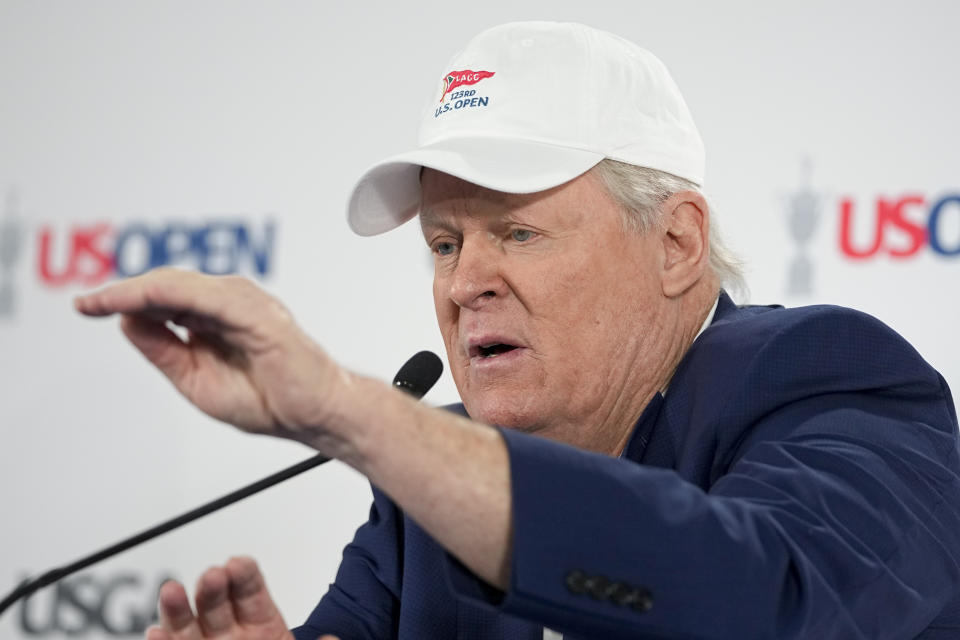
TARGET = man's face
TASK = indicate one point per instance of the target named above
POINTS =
(549, 309)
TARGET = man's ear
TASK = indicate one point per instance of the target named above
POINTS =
(686, 242)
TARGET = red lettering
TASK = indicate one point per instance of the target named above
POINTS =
(456, 79)
(889, 213)
(892, 214)
(94, 261)
(43, 255)
(88, 260)
(846, 222)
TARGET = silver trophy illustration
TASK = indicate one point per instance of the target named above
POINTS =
(11, 246)
(803, 213)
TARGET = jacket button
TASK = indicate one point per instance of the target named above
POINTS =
(637, 599)
(618, 593)
(576, 581)
(597, 587)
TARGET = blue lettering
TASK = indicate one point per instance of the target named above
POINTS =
(219, 248)
(171, 245)
(933, 226)
(461, 104)
(261, 254)
(135, 239)
(215, 247)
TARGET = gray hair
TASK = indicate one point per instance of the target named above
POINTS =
(640, 192)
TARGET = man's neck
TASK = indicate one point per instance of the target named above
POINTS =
(612, 423)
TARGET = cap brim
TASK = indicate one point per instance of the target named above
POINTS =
(388, 194)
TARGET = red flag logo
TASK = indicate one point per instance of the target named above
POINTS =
(456, 79)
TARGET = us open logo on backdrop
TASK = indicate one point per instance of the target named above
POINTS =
(88, 253)
(899, 226)
(461, 98)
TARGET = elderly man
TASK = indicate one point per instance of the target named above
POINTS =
(664, 463)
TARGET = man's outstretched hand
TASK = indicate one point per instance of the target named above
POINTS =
(232, 603)
(245, 361)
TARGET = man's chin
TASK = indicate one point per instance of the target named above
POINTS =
(503, 413)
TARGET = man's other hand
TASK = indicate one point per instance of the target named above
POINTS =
(232, 603)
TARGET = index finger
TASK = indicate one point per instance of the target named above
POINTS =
(165, 288)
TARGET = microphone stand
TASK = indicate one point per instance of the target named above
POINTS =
(415, 378)
(28, 587)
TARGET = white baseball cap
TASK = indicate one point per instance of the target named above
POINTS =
(528, 106)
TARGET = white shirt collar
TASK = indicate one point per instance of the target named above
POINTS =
(709, 319)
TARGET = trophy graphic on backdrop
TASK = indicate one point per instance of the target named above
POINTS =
(11, 244)
(803, 213)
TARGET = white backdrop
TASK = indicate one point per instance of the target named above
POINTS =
(203, 125)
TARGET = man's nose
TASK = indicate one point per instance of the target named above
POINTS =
(477, 279)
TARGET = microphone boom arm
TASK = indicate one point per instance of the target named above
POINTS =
(415, 378)
(28, 587)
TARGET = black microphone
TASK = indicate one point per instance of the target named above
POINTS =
(419, 374)
(416, 377)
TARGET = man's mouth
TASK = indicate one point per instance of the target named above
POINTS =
(491, 349)
(494, 350)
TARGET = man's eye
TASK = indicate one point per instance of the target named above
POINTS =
(444, 248)
(521, 235)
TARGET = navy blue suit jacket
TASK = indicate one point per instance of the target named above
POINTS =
(799, 480)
